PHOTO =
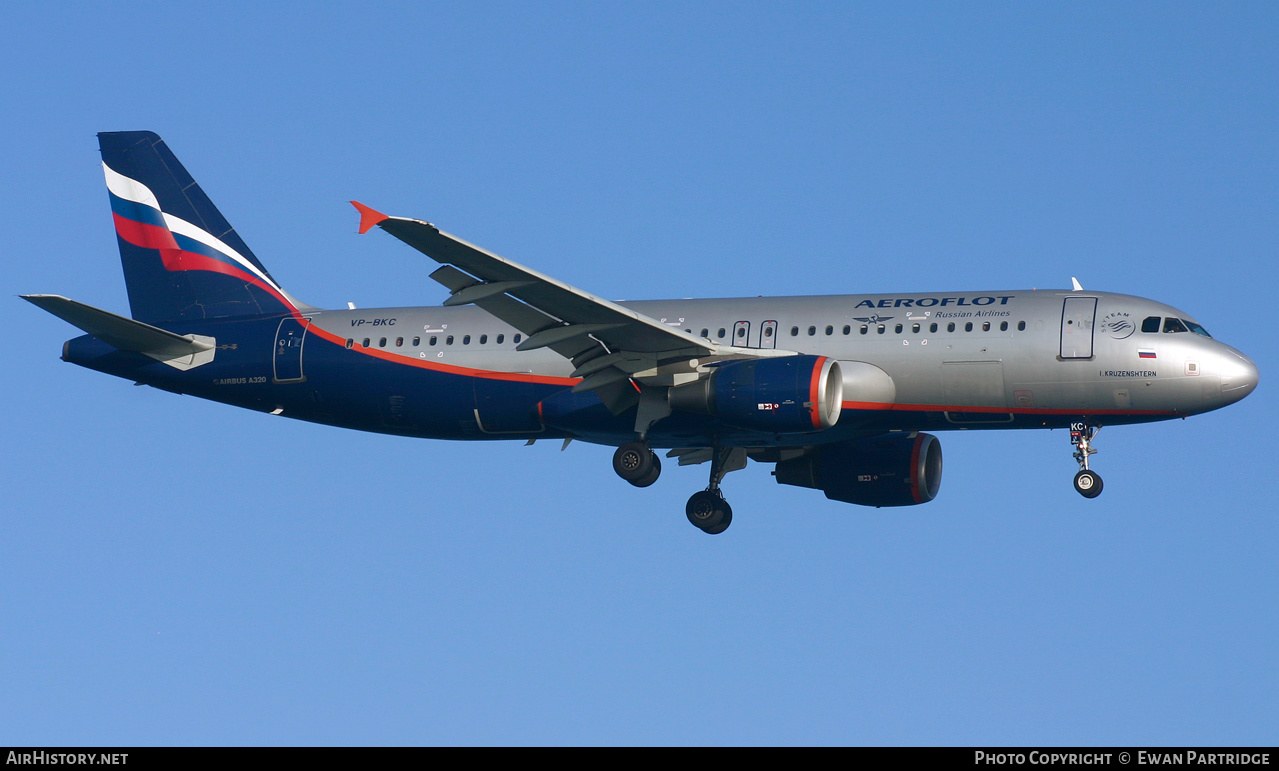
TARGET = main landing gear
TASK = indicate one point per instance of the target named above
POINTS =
(707, 509)
(1087, 482)
(709, 512)
(637, 464)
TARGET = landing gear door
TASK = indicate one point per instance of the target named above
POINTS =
(1077, 316)
(768, 334)
(742, 334)
(287, 361)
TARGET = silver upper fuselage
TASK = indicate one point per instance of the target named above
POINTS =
(979, 358)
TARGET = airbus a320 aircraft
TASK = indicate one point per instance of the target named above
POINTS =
(835, 390)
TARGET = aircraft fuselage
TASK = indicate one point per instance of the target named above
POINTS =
(939, 361)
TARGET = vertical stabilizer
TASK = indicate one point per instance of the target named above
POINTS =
(182, 260)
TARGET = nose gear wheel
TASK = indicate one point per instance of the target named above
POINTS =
(1087, 481)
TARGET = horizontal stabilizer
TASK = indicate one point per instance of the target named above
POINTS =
(117, 331)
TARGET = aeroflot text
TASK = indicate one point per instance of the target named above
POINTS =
(928, 302)
(1143, 758)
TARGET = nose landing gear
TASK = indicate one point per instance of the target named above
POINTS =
(1087, 482)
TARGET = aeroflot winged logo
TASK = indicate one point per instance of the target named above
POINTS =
(182, 245)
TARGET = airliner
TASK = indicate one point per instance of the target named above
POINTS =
(838, 392)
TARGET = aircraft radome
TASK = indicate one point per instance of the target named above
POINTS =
(837, 391)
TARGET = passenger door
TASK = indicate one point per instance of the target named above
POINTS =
(1077, 316)
(287, 361)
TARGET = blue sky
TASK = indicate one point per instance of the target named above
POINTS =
(180, 572)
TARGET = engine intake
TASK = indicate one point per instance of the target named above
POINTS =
(787, 394)
(886, 470)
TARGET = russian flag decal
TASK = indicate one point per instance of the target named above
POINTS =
(1146, 353)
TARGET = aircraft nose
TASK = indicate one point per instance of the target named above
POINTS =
(1239, 376)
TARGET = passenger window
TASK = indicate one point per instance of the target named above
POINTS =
(847, 329)
(932, 327)
(484, 339)
(812, 331)
(914, 328)
(350, 342)
(516, 339)
(864, 329)
(466, 339)
(950, 327)
(417, 341)
(381, 343)
(365, 343)
(706, 333)
(500, 338)
(434, 340)
(985, 326)
(1003, 326)
(968, 327)
(794, 331)
(880, 329)
(720, 333)
(1021, 326)
(399, 342)
(741, 332)
(1151, 324)
(1174, 325)
(448, 340)
(829, 330)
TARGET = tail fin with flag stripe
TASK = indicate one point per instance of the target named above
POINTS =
(182, 260)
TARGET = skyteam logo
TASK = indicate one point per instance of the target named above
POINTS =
(181, 244)
(1118, 325)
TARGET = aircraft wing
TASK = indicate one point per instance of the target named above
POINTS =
(610, 345)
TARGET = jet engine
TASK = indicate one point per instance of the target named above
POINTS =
(885, 470)
(787, 394)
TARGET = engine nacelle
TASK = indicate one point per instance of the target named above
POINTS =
(886, 470)
(785, 395)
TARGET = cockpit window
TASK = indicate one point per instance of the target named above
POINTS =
(1151, 324)
(1198, 330)
(1174, 325)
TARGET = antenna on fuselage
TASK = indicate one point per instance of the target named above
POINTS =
(1075, 283)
